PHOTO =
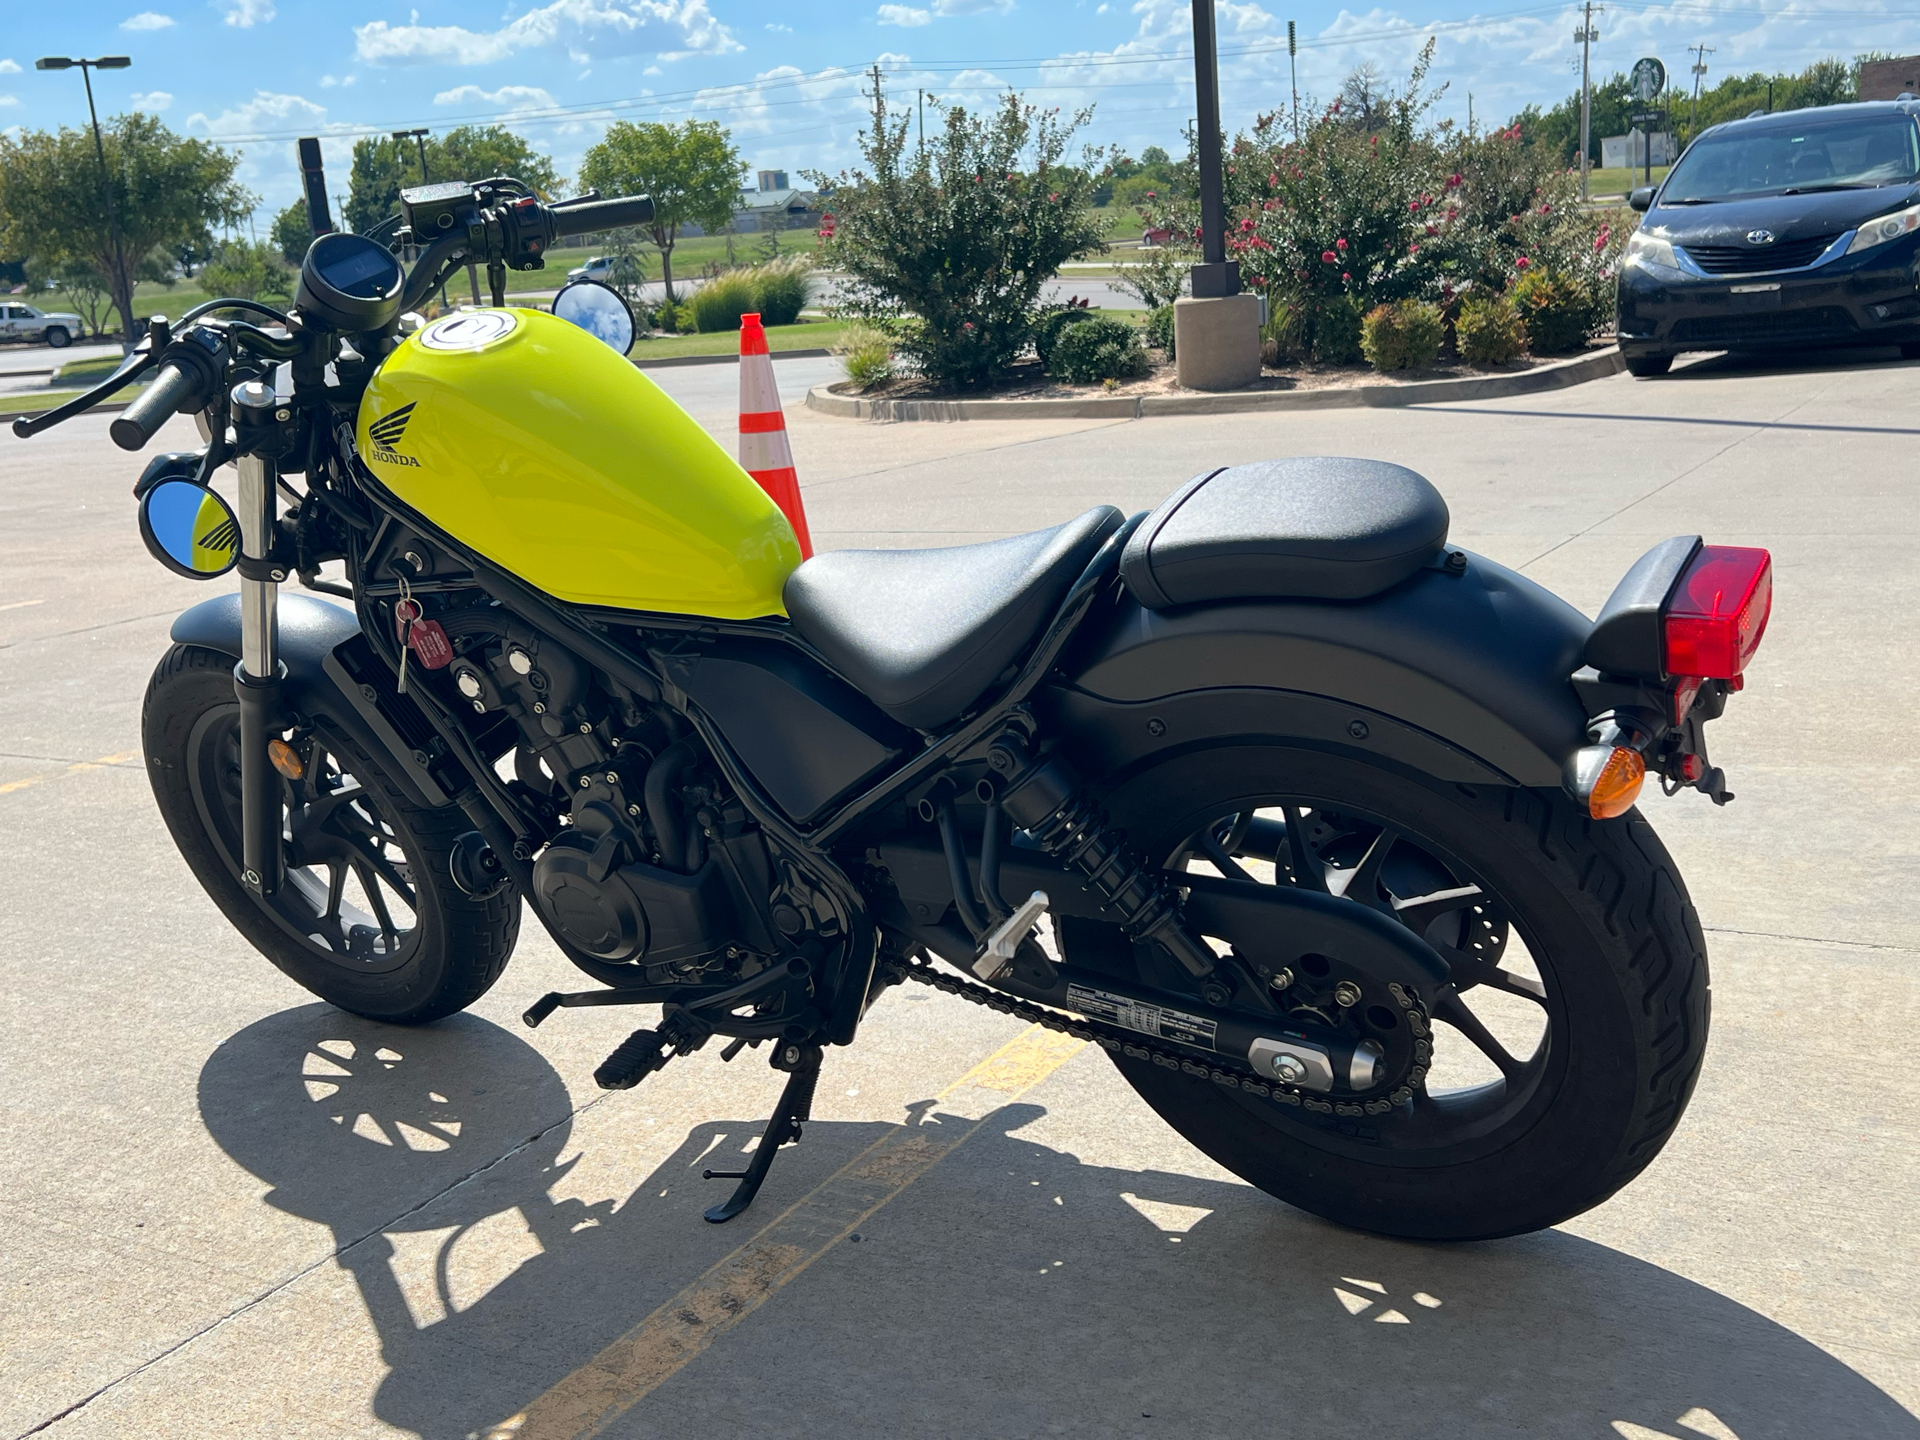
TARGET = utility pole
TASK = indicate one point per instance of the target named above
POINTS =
(87, 67)
(1700, 53)
(921, 101)
(1293, 75)
(1584, 38)
(1469, 114)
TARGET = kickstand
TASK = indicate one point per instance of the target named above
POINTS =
(795, 1107)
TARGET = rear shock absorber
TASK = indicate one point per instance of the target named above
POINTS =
(1045, 798)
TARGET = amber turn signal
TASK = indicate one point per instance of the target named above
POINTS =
(286, 759)
(1606, 779)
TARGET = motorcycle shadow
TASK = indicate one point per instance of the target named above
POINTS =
(1011, 1290)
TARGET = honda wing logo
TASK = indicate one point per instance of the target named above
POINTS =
(1754, 237)
(386, 434)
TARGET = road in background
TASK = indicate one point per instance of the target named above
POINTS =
(229, 1211)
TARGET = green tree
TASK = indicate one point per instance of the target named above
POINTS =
(691, 170)
(950, 245)
(383, 168)
(292, 232)
(246, 269)
(166, 190)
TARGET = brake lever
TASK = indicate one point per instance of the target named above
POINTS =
(26, 427)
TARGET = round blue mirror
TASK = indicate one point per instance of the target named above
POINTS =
(599, 311)
(189, 529)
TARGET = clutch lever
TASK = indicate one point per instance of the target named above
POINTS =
(26, 427)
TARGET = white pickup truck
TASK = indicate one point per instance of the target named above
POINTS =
(23, 322)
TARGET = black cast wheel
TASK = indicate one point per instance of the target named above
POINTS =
(368, 917)
(1567, 1043)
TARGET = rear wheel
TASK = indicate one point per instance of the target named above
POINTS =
(1646, 367)
(1910, 350)
(1565, 1049)
(368, 917)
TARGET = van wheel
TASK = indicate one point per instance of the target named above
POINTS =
(58, 337)
(1645, 367)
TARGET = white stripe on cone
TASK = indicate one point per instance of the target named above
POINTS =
(767, 450)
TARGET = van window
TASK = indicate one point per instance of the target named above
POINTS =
(1810, 153)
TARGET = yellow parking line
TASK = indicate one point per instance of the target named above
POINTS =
(84, 765)
(648, 1355)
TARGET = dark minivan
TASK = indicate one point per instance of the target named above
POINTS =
(1780, 231)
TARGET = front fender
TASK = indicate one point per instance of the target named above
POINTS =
(1464, 674)
(331, 676)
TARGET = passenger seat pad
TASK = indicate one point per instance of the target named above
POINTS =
(1313, 527)
(923, 633)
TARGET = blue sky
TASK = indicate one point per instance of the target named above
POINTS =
(786, 77)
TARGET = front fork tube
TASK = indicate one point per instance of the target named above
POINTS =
(256, 679)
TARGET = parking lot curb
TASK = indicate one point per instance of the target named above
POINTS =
(1557, 376)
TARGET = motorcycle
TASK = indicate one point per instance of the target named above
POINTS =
(1329, 825)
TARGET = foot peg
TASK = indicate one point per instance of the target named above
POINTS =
(646, 1051)
(794, 1109)
(1004, 943)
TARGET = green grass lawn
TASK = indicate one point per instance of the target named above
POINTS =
(1619, 181)
(34, 401)
(808, 335)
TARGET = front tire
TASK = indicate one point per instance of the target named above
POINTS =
(1589, 914)
(368, 918)
(1647, 367)
(58, 337)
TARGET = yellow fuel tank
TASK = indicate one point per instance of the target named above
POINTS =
(529, 440)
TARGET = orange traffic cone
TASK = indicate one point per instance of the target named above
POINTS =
(764, 452)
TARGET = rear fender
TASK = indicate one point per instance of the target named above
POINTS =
(331, 676)
(1463, 673)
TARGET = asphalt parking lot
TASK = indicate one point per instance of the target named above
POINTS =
(231, 1211)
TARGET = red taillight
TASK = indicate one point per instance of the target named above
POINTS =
(1718, 612)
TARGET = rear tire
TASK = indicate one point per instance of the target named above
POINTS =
(394, 852)
(1910, 350)
(58, 337)
(1647, 367)
(1606, 924)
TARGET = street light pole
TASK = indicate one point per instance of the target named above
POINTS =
(1215, 275)
(1293, 75)
(419, 138)
(87, 67)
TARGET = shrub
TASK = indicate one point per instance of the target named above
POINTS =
(720, 302)
(1402, 336)
(782, 288)
(1332, 331)
(1489, 330)
(1051, 325)
(1559, 311)
(669, 317)
(867, 353)
(1098, 348)
(960, 234)
(1159, 329)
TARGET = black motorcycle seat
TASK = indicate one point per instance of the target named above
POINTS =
(923, 633)
(1312, 527)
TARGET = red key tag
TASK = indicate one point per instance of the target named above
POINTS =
(427, 640)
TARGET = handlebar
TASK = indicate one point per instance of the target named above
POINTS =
(586, 216)
(174, 389)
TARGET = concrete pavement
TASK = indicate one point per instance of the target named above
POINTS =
(232, 1211)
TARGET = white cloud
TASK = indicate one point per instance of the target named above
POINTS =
(265, 111)
(247, 13)
(507, 97)
(9, 67)
(905, 16)
(973, 7)
(6, 100)
(147, 20)
(687, 26)
(153, 101)
(780, 29)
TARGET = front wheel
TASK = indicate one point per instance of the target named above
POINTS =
(1646, 367)
(367, 917)
(1564, 1049)
(58, 337)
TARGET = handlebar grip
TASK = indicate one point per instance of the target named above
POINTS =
(592, 215)
(174, 389)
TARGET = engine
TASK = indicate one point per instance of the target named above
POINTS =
(652, 865)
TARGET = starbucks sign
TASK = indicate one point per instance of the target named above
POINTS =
(1649, 78)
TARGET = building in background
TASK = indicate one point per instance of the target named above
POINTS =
(775, 205)
(1890, 79)
(1618, 152)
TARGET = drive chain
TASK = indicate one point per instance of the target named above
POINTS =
(1140, 1047)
